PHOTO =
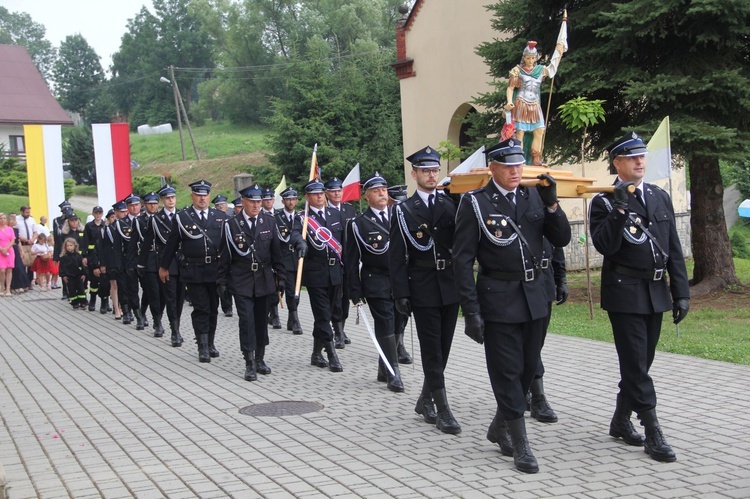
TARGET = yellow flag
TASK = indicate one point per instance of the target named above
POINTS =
(659, 154)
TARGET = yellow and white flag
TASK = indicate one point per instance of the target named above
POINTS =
(659, 154)
(44, 166)
(277, 193)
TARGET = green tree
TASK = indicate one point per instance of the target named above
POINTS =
(17, 28)
(77, 73)
(78, 152)
(688, 60)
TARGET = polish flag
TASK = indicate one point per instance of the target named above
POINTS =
(350, 186)
(112, 160)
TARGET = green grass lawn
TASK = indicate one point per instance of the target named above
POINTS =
(716, 327)
(214, 140)
(10, 203)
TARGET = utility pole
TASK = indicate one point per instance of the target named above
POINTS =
(184, 113)
(177, 109)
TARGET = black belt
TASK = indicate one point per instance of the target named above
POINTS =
(375, 270)
(651, 275)
(333, 261)
(202, 259)
(431, 264)
(528, 275)
(256, 266)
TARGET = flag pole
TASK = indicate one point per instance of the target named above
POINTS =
(300, 264)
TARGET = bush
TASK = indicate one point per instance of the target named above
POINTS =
(14, 183)
(69, 187)
(740, 248)
(146, 183)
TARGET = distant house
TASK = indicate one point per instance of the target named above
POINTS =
(25, 99)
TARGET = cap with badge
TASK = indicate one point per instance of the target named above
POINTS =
(63, 205)
(267, 193)
(219, 200)
(238, 201)
(253, 192)
(289, 193)
(201, 187)
(110, 212)
(131, 199)
(508, 152)
(120, 206)
(97, 209)
(628, 145)
(374, 180)
(314, 186)
(67, 212)
(334, 184)
(397, 192)
(425, 158)
(166, 191)
(151, 197)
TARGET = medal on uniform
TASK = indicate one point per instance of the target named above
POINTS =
(380, 237)
(638, 220)
(490, 222)
(633, 229)
(503, 222)
(419, 234)
(374, 245)
(240, 246)
(497, 233)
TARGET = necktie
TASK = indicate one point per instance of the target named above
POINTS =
(320, 214)
(203, 216)
(639, 197)
(431, 201)
(26, 224)
(252, 225)
(383, 219)
(511, 198)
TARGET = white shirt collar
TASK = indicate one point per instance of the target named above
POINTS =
(425, 196)
(504, 192)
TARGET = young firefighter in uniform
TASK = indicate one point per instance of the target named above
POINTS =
(148, 263)
(268, 198)
(98, 286)
(422, 280)
(250, 256)
(225, 299)
(197, 231)
(285, 219)
(367, 244)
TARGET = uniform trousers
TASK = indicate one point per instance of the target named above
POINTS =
(174, 297)
(98, 285)
(341, 310)
(540, 370)
(76, 287)
(636, 336)
(383, 317)
(512, 354)
(153, 292)
(205, 302)
(252, 313)
(290, 278)
(323, 301)
(435, 327)
(127, 288)
(400, 320)
(226, 302)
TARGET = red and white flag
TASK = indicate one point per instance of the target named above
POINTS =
(350, 186)
(112, 159)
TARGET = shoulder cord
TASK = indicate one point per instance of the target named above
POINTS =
(119, 229)
(497, 241)
(375, 251)
(156, 230)
(407, 234)
(282, 238)
(230, 240)
(628, 236)
(521, 239)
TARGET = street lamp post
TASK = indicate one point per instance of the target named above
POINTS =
(179, 105)
(177, 109)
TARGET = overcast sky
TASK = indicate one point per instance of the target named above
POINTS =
(101, 22)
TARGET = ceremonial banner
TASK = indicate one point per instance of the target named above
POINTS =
(659, 154)
(476, 160)
(44, 167)
(350, 187)
(112, 158)
(277, 204)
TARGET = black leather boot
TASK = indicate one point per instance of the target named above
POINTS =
(92, 302)
(445, 420)
(158, 328)
(250, 366)
(347, 341)
(540, 408)
(381, 371)
(656, 445)
(425, 406)
(296, 326)
(523, 458)
(337, 335)
(139, 322)
(403, 354)
(273, 317)
(176, 336)
(289, 323)
(388, 345)
(333, 360)
(126, 318)
(317, 355)
(212, 351)
(144, 311)
(497, 433)
(621, 426)
(103, 305)
(260, 364)
(203, 355)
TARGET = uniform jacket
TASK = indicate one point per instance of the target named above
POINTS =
(616, 236)
(156, 237)
(71, 265)
(251, 258)
(484, 234)
(116, 241)
(142, 243)
(91, 234)
(367, 242)
(555, 271)
(285, 228)
(322, 267)
(199, 258)
(78, 235)
(425, 287)
(57, 225)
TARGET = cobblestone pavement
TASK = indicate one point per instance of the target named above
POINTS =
(92, 408)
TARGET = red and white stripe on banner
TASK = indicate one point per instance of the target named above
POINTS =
(323, 234)
(351, 185)
(112, 158)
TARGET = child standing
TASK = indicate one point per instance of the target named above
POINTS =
(72, 273)
(42, 261)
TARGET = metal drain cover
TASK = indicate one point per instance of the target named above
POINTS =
(281, 408)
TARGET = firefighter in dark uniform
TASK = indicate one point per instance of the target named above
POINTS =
(322, 272)
(98, 284)
(637, 235)
(237, 203)
(285, 219)
(142, 243)
(397, 194)
(422, 280)
(268, 198)
(367, 243)
(341, 311)
(198, 231)
(225, 299)
(125, 227)
(502, 226)
(111, 262)
(56, 231)
(251, 267)
(172, 292)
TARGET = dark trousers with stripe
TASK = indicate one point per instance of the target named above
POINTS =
(435, 327)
